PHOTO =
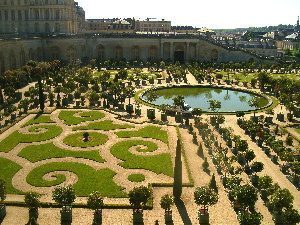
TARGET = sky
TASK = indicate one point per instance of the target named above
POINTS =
(199, 13)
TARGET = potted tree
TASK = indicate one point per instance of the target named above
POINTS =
(95, 202)
(33, 203)
(2, 198)
(138, 198)
(65, 196)
(256, 167)
(204, 197)
(214, 106)
(166, 202)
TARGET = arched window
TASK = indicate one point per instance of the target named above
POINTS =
(36, 27)
(31, 54)
(100, 53)
(214, 55)
(55, 53)
(57, 27)
(39, 54)
(47, 28)
(22, 58)
(2, 66)
(152, 53)
(71, 54)
(119, 53)
(135, 53)
(13, 61)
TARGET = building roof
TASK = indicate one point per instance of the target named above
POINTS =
(294, 36)
(205, 30)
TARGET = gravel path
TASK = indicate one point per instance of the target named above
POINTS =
(222, 212)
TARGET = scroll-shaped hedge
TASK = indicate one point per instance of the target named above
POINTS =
(7, 171)
(70, 118)
(39, 119)
(76, 140)
(146, 132)
(37, 133)
(160, 163)
(89, 179)
(105, 125)
(35, 153)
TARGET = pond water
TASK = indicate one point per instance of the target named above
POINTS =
(198, 97)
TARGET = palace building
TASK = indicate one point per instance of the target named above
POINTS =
(44, 30)
(41, 17)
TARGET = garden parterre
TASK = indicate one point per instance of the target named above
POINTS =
(50, 150)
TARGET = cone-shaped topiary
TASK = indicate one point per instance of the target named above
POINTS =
(213, 183)
(177, 186)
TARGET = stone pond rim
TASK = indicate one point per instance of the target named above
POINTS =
(269, 103)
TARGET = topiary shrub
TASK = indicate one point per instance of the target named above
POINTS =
(177, 185)
(95, 202)
(213, 184)
(205, 165)
(33, 203)
(250, 218)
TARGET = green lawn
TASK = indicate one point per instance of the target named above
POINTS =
(76, 140)
(105, 125)
(146, 132)
(35, 153)
(161, 163)
(70, 118)
(39, 119)
(89, 179)
(8, 170)
(16, 137)
(249, 76)
(298, 130)
(136, 177)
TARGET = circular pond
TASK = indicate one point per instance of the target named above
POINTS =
(232, 100)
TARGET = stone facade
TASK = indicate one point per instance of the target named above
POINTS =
(16, 52)
(41, 17)
(153, 26)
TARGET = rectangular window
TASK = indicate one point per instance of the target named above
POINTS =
(6, 15)
(13, 16)
(57, 15)
(26, 15)
(19, 15)
(47, 14)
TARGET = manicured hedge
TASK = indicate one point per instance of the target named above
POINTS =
(70, 118)
(89, 179)
(16, 137)
(35, 153)
(105, 125)
(146, 132)
(161, 163)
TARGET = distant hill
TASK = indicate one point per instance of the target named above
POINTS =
(255, 29)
